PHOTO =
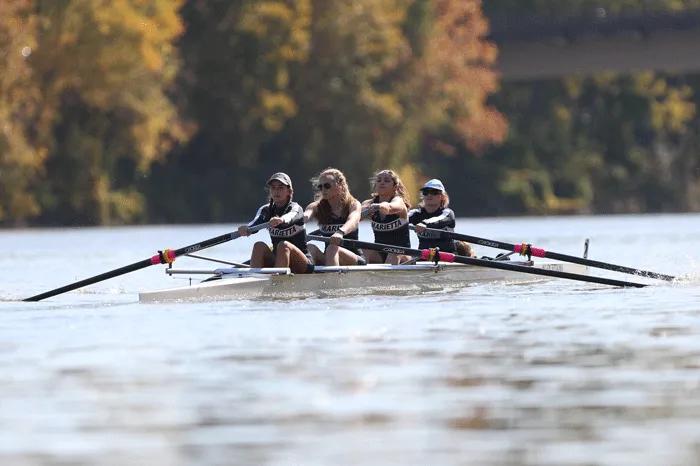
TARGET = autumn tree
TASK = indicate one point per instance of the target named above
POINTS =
(21, 160)
(104, 68)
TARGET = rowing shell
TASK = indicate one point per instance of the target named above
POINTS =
(280, 283)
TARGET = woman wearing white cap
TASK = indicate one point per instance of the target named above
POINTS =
(388, 211)
(433, 213)
(337, 213)
(287, 230)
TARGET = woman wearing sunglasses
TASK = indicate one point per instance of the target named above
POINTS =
(338, 214)
(432, 212)
(287, 230)
(388, 212)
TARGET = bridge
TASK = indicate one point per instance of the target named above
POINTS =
(538, 48)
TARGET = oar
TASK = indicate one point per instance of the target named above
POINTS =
(163, 257)
(527, 250)
(432, 255)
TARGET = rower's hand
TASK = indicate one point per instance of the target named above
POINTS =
(336, 239)
(243, 230)
(383, 207)
(420, 228)
(274, 221)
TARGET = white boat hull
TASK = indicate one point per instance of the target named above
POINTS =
(343, 281)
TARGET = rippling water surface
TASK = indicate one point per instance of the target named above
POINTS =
(540, 374)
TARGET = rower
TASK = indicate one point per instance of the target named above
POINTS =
(338, 214)
(433, 213)
(388, 212)
(287, 230)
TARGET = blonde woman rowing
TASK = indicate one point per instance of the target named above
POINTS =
(338, 214)
(388, 212)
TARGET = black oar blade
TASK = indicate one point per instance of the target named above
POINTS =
(545, 272)
(89, 281)
(164, 257)
(537, 252)
(447, 257)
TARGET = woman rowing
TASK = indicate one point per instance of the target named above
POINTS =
(388, 212)
(337, 213)
(287, 230)
(433, 213)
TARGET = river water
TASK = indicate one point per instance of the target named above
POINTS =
(554, 373)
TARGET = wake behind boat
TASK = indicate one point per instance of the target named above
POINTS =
(280, 283)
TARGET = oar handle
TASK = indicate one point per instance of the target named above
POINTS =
(163, 257)
(526, 249)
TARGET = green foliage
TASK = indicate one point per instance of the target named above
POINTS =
(607, 143)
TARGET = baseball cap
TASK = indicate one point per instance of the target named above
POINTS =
(434, 184)
(282, 178)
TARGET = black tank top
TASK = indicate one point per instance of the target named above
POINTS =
(338, 222)
(390, 229)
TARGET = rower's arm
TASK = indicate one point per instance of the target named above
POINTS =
(445, 220)
(309, 212)
(294, 214)
(397, 207)
(353, 218)
(414, 216)
(366, 209)
(259, 218)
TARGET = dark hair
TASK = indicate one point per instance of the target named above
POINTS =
(291, 194)
(287, 206)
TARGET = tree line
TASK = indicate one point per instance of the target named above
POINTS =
(173, 111)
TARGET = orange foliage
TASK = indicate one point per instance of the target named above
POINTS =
(458, 68)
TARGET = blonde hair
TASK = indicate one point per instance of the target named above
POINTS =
(324, 211)
(464, 249)
(401, 190)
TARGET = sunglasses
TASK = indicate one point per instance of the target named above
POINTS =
(434, 192)
(321, 186)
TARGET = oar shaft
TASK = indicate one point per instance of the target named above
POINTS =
(427, 254)
(161, 258)
(538, 252)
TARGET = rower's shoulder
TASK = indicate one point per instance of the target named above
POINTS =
(312, 205)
